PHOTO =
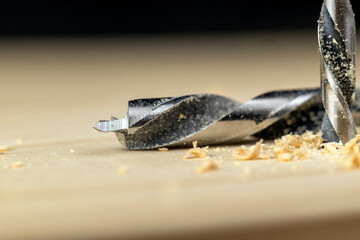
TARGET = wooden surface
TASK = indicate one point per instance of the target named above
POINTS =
(54, 90)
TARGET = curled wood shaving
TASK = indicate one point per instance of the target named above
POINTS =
(197, 152)
(244, 153)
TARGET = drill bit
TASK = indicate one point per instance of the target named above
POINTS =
(206, 118)
(336, 33)
(211, 119)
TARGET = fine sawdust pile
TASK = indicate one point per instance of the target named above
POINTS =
(290, 147)
(298, 147)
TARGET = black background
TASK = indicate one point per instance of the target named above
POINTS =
(46, 18)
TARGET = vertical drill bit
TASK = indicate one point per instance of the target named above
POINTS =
(336, 33)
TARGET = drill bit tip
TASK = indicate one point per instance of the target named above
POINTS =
(114, 125)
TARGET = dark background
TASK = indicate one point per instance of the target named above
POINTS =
(36, 18)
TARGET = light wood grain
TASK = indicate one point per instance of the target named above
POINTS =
(54, 90)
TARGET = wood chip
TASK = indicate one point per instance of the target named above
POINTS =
(197, 152)
(163, 149)
(3, 149)
(207, 166)
(251, 153)
(296, 147)
(17, 165)
(351, 161)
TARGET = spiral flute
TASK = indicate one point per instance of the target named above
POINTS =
(336, 33)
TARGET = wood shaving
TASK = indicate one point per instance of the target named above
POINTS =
(122, 171)
(163, 149)
(197, 152)
(352, 146)
(207, 166)
(288, 148)
(331, 148)
(244, 153)
(17, 165)
(296, 147)
(351, 161)
(3, 149)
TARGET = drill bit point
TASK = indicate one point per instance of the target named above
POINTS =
(115, 125)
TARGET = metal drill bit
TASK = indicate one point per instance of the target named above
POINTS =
(336, 33)
(211, 119)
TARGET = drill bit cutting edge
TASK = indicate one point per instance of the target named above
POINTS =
(336, 33)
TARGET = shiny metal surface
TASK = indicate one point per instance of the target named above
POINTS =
(336, 33)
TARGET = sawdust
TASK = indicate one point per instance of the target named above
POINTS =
(350, 161)
(17, 165)
(3, 149)
(164, 149)
(309, 145)
(207, 166)
(197, 152)
(244, 153)
(288, 148)
(122, 171)
(181, 117)
(296, 147)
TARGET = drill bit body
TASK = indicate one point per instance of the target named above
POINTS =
(211, 119)
(336, 33)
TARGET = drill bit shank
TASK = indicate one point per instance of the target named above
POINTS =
(336, 33)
